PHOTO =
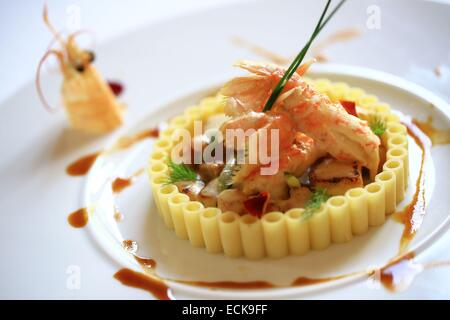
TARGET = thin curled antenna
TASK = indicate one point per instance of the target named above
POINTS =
(50, 51)
(60, 57)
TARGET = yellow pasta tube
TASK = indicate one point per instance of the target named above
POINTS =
(398, 141)
(340, 220)
(163, 195)
(158, 156)
(210, 229)
(252, 237)
(191, 211)
(208, 107)
(376, 201)
(381, 115)
(359, 210)
(388, 179)
(167, 133)
(392, 117)
(156, 182)
(322, 85)
(163, 144)
(181, 122)
(298, 232)
(213, 105)
(275, 235)
(230, 234)
(354, 94)
(396, 166)
(319, 229)
(175, 202)
(194, 113)
(158, 169)
(337, 91)
(394, 128)
(368, 101)
(400, 154)
(382, 108)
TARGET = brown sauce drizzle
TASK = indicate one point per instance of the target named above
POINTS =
(146, 263)
(119, 184)
(82, 166)
(143, 281)
(131, 246)
(396, 275)
(257, 285)
(437, 136)
(79, 218)
(413, 214)
(305, 281)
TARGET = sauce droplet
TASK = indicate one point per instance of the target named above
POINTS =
(82, 166)
(121, 183)
(130, 245)
(145, 282)
(79, 218)
(146, 263)
(116, 87)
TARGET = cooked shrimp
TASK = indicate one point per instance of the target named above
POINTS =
(335, 131)
(231, 200)
(262, 124)
(249, 93)
(296, 152)
(89, 101)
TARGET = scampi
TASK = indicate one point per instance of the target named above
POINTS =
(90, 104)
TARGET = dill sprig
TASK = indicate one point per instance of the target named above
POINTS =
(298, 60)
(377, 125)
(314, 203)
(180, 172)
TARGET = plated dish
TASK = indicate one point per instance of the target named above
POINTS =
(336, 162)
(326, 189)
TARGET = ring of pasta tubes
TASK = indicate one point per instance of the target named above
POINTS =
(277, 234)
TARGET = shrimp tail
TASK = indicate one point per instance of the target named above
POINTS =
(304, 67)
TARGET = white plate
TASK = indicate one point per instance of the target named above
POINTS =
(177, 259)
(160, 64)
